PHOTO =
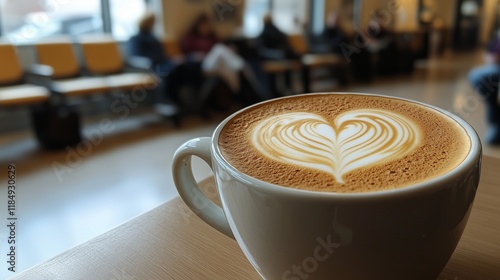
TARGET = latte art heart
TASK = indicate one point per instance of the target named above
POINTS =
(356, 139)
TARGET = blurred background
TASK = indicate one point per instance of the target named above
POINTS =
(96, 95)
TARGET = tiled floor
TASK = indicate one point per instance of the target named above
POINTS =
(68, 197)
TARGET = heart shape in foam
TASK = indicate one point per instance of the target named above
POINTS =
(356, 139)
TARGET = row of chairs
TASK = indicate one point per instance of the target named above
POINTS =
(104, 69)
(308, 61)
(59, 70)
(94, 65)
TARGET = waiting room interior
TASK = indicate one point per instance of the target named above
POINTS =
(93, 137)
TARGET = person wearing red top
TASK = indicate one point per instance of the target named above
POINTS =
(202, 47)
(200, 39)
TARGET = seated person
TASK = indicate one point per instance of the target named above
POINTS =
(172, 71)
(200, 39)
(485, 81)
(377, 36)
(201, 45)
(330, 40)
(273, 44)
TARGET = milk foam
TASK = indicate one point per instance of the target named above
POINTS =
(356, 139)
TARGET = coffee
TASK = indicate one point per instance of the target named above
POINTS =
(343, 142)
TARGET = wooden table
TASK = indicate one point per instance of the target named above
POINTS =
(170, 242)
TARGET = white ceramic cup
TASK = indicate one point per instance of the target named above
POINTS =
(290, 234)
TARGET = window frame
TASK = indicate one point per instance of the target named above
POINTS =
(313, 19)
(107, 26)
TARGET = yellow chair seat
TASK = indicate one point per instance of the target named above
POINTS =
(321, 60)
(21, 95)
(171, 48)
(278, 66)
(81, 85)
(131, 80)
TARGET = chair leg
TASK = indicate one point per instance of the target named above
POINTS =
(340, 72)
(273, 83)
(306, 79)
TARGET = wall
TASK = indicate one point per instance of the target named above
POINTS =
(488, 19)
(345, 8)
(445, 10)
(179, 15)
(332, 5)
(406, 19)
(369, 6)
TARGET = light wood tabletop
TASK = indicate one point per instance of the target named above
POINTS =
(169, 242)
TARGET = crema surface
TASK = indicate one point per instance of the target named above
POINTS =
(343, 143)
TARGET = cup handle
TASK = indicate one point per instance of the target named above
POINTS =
(189, 190)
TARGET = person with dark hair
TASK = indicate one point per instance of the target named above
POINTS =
(381, 44)
(145, 44)
(485, 81)
(377, 28)
(200, 39)
(333, 35)
(170, 70)
(273, 44)
(201, 45)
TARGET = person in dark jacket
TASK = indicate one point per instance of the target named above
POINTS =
(333, 35)
(173, 72)
(273, 44)
(145, 44)
(485, 81)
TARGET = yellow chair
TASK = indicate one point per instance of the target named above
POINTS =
(171, 48)
(102, 57)
(300, 46)
(13, 90)
(58, 53)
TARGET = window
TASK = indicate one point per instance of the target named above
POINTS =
(25, 21)
(317, 16)
(289, 15)
(252, 19)
(124, 17)
(28, 20)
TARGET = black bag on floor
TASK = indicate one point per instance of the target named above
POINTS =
(56, 126)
